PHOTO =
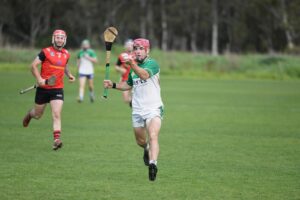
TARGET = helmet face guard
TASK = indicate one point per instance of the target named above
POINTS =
(62, 33)
(141, 42)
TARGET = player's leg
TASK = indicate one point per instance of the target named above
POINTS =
(141, 139)
(140, 133)
(126, 96)
(56, 108)
(91, 87)
(82, 80)
(35, 113)
(140, 136)
(153, 128)
(41, 100)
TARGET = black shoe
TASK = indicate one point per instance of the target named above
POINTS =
(57, 144)
(146, 157)
(26, 119)
(152, 172)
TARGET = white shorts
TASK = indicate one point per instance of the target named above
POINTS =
(139, 119)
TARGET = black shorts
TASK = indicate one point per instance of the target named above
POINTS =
(43, 96)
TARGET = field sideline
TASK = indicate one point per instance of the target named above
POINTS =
(221, 139)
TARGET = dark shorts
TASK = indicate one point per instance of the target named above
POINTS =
(43, 96)
(88, 76)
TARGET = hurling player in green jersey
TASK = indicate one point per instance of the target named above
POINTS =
(85, 61)
(147, 106)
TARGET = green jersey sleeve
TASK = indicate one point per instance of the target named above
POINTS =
(152, 67)
(79, 55)
(92, 53)
(130, 81)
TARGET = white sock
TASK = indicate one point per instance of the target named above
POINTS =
(153, 162)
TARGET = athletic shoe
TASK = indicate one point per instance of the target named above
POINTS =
(92, 99)
(26, 119)
(152, 172)
(57, 144)
(146, 157)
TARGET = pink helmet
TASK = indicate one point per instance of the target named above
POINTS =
(60, 33)
(142, 42)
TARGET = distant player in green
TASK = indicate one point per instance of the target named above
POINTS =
(147, 106)
(85, 62)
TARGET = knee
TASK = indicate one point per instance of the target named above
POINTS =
(37, 115)
(126, 98)
(153, 137)
(56, 115)
(141, 141)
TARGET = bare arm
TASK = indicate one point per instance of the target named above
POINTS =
(123, 86)
(35, 71)
(142, 73)
(68, 74)
(120, 69)
(94, 60)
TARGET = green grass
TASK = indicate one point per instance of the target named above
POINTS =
(221, 139)
(183, 64)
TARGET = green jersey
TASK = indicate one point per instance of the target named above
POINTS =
(86, 66)
(146, 93)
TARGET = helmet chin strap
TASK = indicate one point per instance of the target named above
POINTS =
(56, 46)
(141, 61)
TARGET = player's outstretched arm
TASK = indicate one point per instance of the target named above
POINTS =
(123, 86)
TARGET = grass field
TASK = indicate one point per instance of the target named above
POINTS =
(221, 139)
(184, 64)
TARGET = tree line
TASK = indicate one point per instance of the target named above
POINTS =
(215, 26)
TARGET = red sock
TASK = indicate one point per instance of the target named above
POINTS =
(56, 134)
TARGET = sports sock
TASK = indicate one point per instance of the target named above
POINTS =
(81, 97)
(56, 134)
(143, 145)
(153, 162)
(91, 94)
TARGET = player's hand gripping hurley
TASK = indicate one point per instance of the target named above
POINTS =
(50, 81)
(110, 35)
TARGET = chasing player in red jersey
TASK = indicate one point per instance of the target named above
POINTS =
(124, 69)
(53, 62)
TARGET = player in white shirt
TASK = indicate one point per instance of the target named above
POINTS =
(147, 106)
(85, 62)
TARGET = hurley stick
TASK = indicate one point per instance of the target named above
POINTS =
(50, 81)
(110, 35)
